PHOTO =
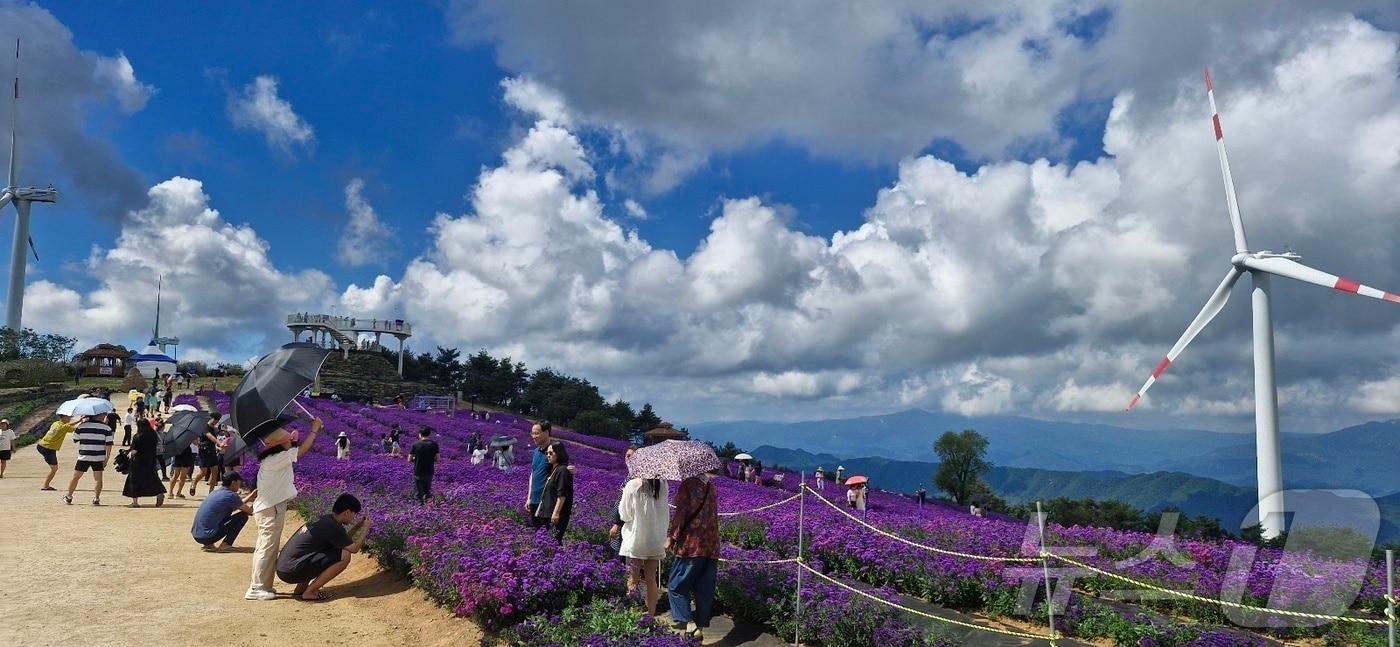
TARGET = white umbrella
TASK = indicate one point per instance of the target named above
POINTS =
(743, 457)
(183, 407)
(85, 407)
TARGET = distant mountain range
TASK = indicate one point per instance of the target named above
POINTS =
(1361, 457)
(1150, 492)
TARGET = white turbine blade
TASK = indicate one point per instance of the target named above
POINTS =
(1236, 223)
(1300, 272)
(14, 117)
(5, 198)
(1213, 307)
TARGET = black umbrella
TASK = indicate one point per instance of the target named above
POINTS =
(235, 448)
(503, 441)
(185, 427)
(271, 385)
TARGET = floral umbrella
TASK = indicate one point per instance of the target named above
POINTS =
(673, 460)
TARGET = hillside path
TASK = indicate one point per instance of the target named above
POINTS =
(111, 575)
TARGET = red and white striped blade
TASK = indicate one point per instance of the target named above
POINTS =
(1233, 203)
(1213, 306)
(1300, 272)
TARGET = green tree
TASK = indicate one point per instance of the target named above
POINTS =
(27, 344)
(599, 423)
(447, 367)
(962, 459)
(647, 418)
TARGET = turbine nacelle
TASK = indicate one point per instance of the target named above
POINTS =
(1240, 260)
(34, 194)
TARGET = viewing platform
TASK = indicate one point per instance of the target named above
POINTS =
(343, 333)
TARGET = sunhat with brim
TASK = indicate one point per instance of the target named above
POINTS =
(343, 435)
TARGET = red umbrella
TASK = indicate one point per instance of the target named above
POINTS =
(857, 480)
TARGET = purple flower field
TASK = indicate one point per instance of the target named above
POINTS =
(472, 551)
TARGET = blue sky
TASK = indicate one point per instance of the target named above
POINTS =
(727, 210)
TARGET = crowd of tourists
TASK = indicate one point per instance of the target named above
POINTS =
(647, 525)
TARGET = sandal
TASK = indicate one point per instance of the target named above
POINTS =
(48, 488)
(133, 504)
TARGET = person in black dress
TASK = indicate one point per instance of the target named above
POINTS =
(141, 479)
(557, 499)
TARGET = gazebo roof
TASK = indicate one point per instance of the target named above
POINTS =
(107, 350)
(666, 432)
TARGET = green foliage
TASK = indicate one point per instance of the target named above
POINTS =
(962, 459)
(599, 423)
(726, 452)
(27, 344)
(1330, 541)
(611, 622)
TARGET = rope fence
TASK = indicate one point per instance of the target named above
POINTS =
(915, 544)
(1044, 559)
(1007, 632)
(1224, 603)
(758, 509)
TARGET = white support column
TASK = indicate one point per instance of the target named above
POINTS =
(400, 355)
(1269, 461)
(19, 257)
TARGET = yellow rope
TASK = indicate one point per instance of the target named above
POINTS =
(1198, 598)
(758, 562)
(1019, 634)
(758, 509)
(1023, 560)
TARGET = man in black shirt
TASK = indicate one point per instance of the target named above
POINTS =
(321, 549)
(423, 455)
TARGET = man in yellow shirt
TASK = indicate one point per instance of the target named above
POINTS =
(49, 445)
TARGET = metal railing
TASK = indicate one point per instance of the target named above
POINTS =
(351, 324)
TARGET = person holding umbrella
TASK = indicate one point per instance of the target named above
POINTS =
(643, 515)
(276, 488)
(95, 440)
(692, 536)
(141, 479)
(256, 411)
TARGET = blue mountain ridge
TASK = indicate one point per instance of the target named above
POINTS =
(1361, 457)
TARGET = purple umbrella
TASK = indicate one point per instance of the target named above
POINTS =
(673, 460)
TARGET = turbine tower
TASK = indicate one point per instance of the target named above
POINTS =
(22, 197)
(1261, 266)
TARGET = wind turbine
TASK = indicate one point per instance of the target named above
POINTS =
(22, 197)
(1261, 266)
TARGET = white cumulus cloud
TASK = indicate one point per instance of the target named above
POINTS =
(366, 240)
(258, 107)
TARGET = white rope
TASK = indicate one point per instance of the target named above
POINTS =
(758, 509)
(1019, 634)
(916, 544)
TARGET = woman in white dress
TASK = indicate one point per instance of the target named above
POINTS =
(645, 517)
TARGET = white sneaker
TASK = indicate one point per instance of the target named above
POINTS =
(259, 594)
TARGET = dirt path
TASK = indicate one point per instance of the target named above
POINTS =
(111, 575)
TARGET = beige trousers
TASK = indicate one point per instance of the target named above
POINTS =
(270, 522)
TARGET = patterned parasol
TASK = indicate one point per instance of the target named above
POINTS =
(673, 460)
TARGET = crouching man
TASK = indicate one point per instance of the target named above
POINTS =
(222, 515)
(320, 550)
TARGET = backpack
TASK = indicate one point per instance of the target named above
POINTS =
(122, 463)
